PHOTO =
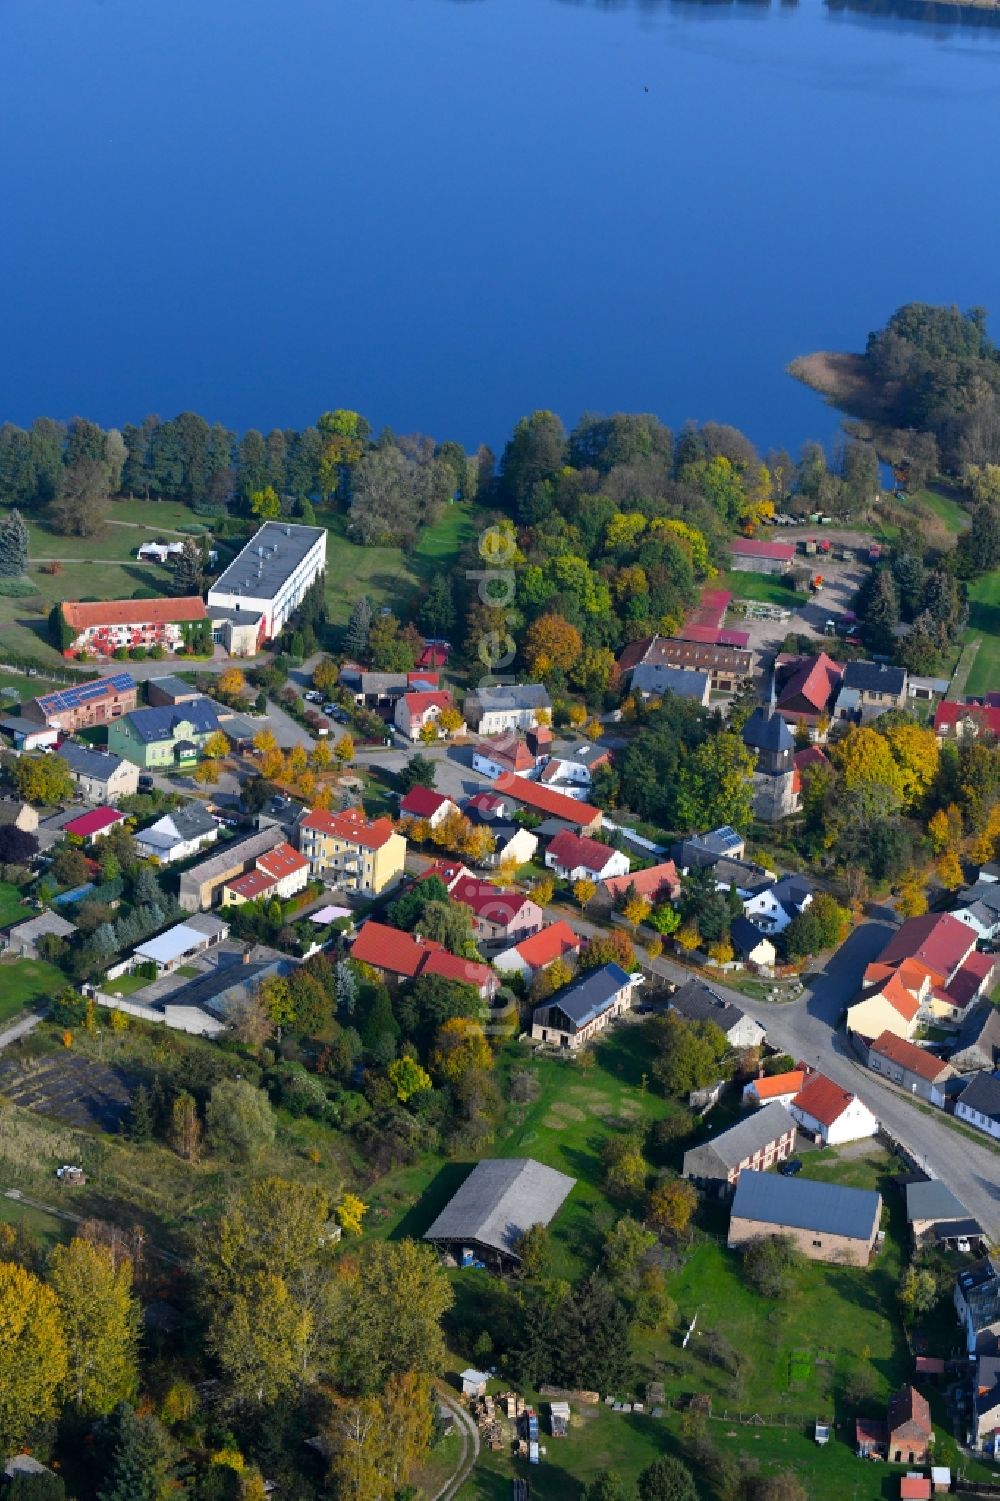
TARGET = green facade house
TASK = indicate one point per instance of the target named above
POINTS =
(164, 738)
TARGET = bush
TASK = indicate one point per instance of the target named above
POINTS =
(138, 653)
(17, 588)
(770, 1263)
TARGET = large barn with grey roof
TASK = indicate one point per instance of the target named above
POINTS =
(500, 1199)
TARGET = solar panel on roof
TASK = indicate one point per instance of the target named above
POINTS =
(82, 693)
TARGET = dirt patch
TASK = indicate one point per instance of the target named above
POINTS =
(70, 1088)
(844, 379)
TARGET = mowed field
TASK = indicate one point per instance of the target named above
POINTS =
(387, 575)
(984, 625)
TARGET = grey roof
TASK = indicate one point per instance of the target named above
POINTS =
(721, 841)
(161, 721)
(807, 1204)
(274, 552)
(700, 1003)
(87, 761)
(383, 682)
(751, 1135)
(242, 850)
(581, 753)
(874, 677)
(592, 993)
(192, 819)
(982, 1094)
(742, 874)
(767, 731)
(238, 613)
(684, 682)
(986, 917)
(45, 922)
(745, 935)
(11, 810)
(173, 685)
(500, 1199)
(792, 891)
(932, 1200)
(980, 1029)
(16, 724)
(224, 992)
(987, 892)
(506, 696)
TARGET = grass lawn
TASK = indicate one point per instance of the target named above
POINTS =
(26, 982)
(764, 587)
(386, 574)
(46, 1227)
(125, 984)
(11, 906)
(984, 622)
(940, 500)
(24, 622)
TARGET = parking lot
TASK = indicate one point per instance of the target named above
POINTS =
(809, 612)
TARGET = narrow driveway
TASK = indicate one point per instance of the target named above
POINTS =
(20, 1028)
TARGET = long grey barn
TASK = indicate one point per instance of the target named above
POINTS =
(500, 1199)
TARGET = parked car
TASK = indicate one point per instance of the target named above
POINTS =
(314, 696)
(789, 1168)
(330, 709)
(145, 783)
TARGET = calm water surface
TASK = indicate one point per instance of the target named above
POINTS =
(447, 212)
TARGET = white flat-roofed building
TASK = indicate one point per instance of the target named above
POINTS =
(271, 575)
(182, 942)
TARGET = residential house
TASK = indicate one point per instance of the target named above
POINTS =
(750, 555)
(806, 688)
(575, 765)
(585, 1007)
(977, 1297)
(779, 1089)
(427, 805)
(929, 966)
(535, 798)
(182, 943)
(985, 1436)
(169, 691)
(698, 1002)
(533, 955)
(980, 910)
(282, 812)
(830, 1114)
(419, 711)
(158, 739)
(966, 721)
(977, 1045)
(759, 1141)
(507, 755)
(448, 872)
(201, 885)
(868, 689)
(94, 824)
(27, 734)
(775, 783)
(573, 857)
(99, 775)
(277, 873)
(83, 705)
(380, 690)
(515, 845)
(654, 680)
(909, 1428)
(648, 662)
(979, 1104)
(498, 916)
(178, 835)
(102, 627)
(751, 945)
(351, 851)
(500, 1199)
(773, 909)
(657, 883)
(497, 709)
(24, 937)
(17, 815)
(826, 1221)
(935, 1215)
(405, 956)
(488, 808)
(705, 849)
(914, 1069)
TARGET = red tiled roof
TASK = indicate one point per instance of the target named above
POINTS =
(914, 1488)
(751, 547)
(908, 1408)
(282, 861)
(811, 756)
(929, 1365)
(489, 902)
(549, 943)
(93, 822)
(633, 654)
(711, 608)
(422, 802)
(820, 1098)
(545, 800)
(509, 749)
(463, 971)
(775, 1085)
(433, 656)
(254, 884)
(486, 803)
(948, 714)
(419, 703)
(350, 825)
(812, 679)
(391, 949)
(971, 979)
(571, 850)
(938, 940)
(424, 678)
(651, 882)
(909, 1056)
(446, 871)
(133, 611)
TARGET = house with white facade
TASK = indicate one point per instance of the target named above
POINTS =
(500, 708)
(979, 1104)
(698, 1002)
(574, 765)
(428, 806)
(178, 835)
(830, 1114)
(573, 857)
(271, 576)
(774, 908)
(416, 711)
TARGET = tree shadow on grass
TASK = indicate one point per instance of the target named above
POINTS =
(442, 1187)
(626, 1055)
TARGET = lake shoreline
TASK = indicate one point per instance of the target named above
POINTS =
(844, 380)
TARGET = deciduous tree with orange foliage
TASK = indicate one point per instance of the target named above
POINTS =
(552, 643)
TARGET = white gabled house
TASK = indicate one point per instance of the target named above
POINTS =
(574, 857)
(831, 1114)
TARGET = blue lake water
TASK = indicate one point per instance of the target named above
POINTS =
(447, 212)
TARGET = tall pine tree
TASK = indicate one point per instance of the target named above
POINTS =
(358, 627)
(13, 545)
(189, 570)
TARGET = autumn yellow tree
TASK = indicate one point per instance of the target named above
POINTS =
(478, 843)
(550, 979)
(206, 773)
(544, 890)
(983, 847)
(687, 936)
(552, 642)
(945, 829)
(33, 1361)
(654, 947)
(100, 1322)
(305, 785)
(584, 891)
(460, 1046)
(321, 758)
(911, 898)
(636, 909)
(864, 759)
(949, 870)
(670, 1205)
(326, 675)
(344, 749)
(264, 742)
(451, 720)
(296, 760)
(350, 1212)
(216, 745)
(429, 732)
(231, 684)
(916, 752)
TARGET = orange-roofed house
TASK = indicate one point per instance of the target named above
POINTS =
(657, 883)
(102, 626)
(581, 816)
(914, 1488)
(416, 711)
(349, 850)
(831, 1113)
(279, 872)
(406, 956)
(929, 968)
(529, 957)
(775, 1087)
(914, 1069)
(889, 1007)
(573, 857)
